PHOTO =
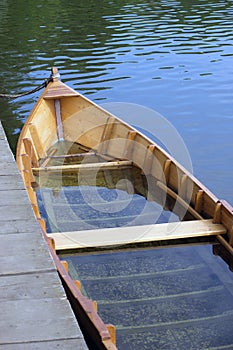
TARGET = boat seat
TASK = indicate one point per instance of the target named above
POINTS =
(82, 167)
(72, 155)
(127, 235)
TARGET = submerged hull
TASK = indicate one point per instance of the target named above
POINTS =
(68, 135)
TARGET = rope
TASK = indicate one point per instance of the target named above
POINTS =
(38, 88)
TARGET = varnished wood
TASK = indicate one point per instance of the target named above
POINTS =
(37, 142)
(166, 170)
(72, 156)
(183, 203)
(29, 150)
(59, 90)
(130, 144)
(82, 167)
(136, 234)
(199, 201)
(106, 136)
(148, 160)
(100, 133)
(183, 186)
(60, 133)
(217, 213)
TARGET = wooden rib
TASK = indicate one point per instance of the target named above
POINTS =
(37, 142)
(27, 170)
(42, 224)
(136, 234)
(29, 149)
(112, 332)
(228, 247)
(230, 234)
(148, 160)
(52, 243)
(57, 106)
(181, 201)
(130, 144)
(183, 186)
(95, 305)
(78, 284)
(217, 213)
(32, 197)
(107, 132)
(82, 167)
(166, 170)
(199, 202)
(64, 263)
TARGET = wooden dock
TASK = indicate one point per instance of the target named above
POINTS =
(35, 313)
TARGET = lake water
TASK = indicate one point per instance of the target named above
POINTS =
(174, 57)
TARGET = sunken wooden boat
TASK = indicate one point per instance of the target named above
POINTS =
(69, 142)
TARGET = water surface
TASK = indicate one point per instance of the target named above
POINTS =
(172, 56)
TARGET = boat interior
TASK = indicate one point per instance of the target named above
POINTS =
(110, 201)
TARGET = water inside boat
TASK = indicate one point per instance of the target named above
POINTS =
(167, 298)
(98, 198)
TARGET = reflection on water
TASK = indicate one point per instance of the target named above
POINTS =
(172, 56)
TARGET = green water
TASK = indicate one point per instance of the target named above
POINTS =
(172, 56)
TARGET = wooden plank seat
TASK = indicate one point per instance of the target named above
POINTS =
(82, 167)
(136, 234)
(73, 155)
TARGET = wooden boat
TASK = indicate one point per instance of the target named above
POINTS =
(68, 137)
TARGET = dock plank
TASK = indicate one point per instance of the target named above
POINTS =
(12, 197)
(11, 182)
(31, 321)
(18, 226)
(24, 253)
(67, 344)
(30, 286)
(35, 313)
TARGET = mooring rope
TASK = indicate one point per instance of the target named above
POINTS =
(41, 86)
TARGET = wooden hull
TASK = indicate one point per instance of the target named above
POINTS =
(63, 114)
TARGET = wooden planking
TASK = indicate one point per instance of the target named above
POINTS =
(37, 141)
(31, 322)
(24, 253)
(19, 287)
(130, 144)
(67, 344)
(106, 135)
(82, 167)
(18, 226)
(11, 182)
(60, 134)
(136, 234)
(72, 156)
(35, 313)
(59, 90)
